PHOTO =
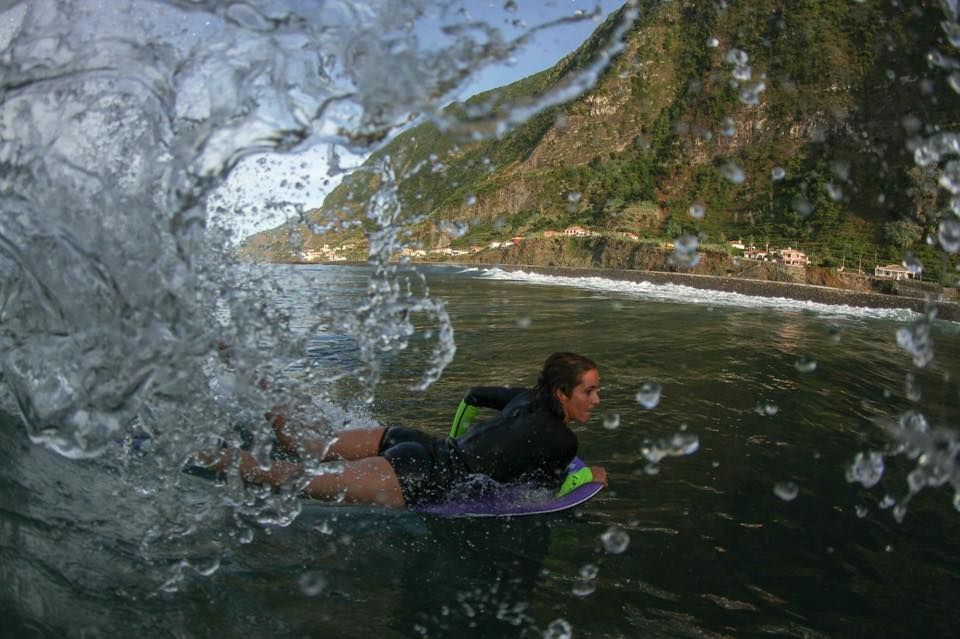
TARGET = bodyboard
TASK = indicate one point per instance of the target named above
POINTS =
(512, 501)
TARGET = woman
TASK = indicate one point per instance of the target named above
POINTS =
(527, 440)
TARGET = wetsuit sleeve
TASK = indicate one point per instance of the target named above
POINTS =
(495, 397)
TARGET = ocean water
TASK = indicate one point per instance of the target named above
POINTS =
(750, 524)
(777, 468)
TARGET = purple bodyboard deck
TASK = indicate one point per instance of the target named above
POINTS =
(513, 501)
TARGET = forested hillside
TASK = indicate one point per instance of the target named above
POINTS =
(780, 122)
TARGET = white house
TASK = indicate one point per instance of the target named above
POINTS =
(578, 231)
(893, 272)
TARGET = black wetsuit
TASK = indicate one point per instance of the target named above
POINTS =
(525, 441)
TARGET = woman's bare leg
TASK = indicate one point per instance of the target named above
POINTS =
(350, 444)
(365, 481)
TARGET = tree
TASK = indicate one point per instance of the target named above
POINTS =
(902, 233)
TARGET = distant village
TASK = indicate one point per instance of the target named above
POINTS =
(785, 256)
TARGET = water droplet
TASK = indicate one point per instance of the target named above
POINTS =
(685, 251)
(730, 171)
(777, 173)
(802, 205)
(713, 43)
(911, 388)
(677, 445)
(888, 548)
(786, 490)
(834, 191)
(913, 423)
(912, 263)
(867, 469)
(954, 81)
(769, 409)
(558, 629)
(312, 583)
(806, 365)
(471, 200)
(615, 540)
(454, 229)
(589, 571)
(952, 31)
(584, 588)
(510, 6)
(861, 511)
(950, 176)
(751, 94)
(245, 535)
(916, 340)
(573, 196)
(524, 322)
(949, 235)
(611, 420)
(649, 395)
(729, 127)
(886, 502)
(737, 57)
(742, 72)
(697, 211)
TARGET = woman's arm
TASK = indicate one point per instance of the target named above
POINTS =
(495, 397)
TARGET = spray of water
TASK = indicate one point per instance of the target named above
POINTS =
(124, 313)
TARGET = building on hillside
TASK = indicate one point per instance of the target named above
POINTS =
(893, 272)
(629, 236)
(578, 231)
(552, 234)
(793, 257)
(737, 244)
(753, 253)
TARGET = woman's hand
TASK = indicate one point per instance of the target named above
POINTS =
(599, 474)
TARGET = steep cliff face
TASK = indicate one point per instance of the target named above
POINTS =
(784, 121)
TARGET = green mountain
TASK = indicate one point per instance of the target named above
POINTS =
(780, 122)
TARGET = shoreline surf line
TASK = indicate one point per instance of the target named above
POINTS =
(759, 288)
(949, 311)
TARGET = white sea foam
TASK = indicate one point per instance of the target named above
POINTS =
(690, 295)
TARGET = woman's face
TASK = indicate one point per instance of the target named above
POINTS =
(584, 396)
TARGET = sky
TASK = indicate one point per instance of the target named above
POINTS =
(264, 191)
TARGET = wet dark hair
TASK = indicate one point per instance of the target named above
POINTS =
(561, 371)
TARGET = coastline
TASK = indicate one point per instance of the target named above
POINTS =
(949, 311)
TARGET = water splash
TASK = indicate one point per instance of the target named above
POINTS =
(124, 312)
(677, 445)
